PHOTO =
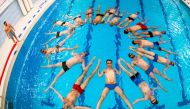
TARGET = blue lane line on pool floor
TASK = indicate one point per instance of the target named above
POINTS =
(142, 9)
(117, 42)
(151, 82)
(81, 98)
(185, 101)
(52, 72)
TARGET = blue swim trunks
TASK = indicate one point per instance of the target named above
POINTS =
(111, 86)
(157, 46)
(150, 69)
(137, 79)
(155, 58)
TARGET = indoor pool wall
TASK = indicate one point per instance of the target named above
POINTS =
(28, 80)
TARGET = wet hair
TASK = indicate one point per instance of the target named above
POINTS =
(164, 32)
(131, 55)
(108, 60)
(154, 103)
(86, 54)
(54, 22)
(4, 22)
(137, 12)
(126, 31)
(172, 63)
(133, 42)
(42, 51)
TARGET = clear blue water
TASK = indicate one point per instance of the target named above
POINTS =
(28, 80)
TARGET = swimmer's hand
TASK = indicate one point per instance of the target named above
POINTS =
(131, 48)
(76, 46)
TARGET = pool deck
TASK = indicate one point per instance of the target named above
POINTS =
(9, 51)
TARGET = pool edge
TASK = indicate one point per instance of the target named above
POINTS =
(16, 48)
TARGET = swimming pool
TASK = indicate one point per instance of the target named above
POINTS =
(28, 81)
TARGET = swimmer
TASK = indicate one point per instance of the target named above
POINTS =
(150, 34)
(78, 20)
(77, 89)
(66, 65)
(139, 82)
(89, 14)
(109, 14)
(154, 57)
(54, 50)
(149, 69)
(68, 32)
(129, 19)
(152, 45)
(111, 84)
(98, 18)
(116, 18)
(138, 26)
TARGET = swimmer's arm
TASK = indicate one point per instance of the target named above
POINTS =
(47, 56)
(117, 72)
(156, 88)
(80, 107)
(58, 94)
(100, 73)
(166, 68)
(138, 100)
(74, 54)
(83, 64)
(12, 27)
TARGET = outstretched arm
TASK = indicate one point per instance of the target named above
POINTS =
(58, 94)
(100, 73)
(138, 100)
(80, 107)
(47, 56)
(83, 64)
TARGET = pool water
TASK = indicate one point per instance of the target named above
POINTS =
(28, 80)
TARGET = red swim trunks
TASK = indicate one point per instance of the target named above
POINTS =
(78, 88)
(143, 27)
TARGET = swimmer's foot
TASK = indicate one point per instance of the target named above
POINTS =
(47, 89)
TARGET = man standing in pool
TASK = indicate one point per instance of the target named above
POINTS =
(111, 84)
(137, 79)
(66, 65)
(78, 88)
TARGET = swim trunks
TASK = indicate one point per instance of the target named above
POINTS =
(131, 18)
(58, 34)
(150, 33)
(155, 58)
(150, 69)
(64, 66)
(78, 88)
(137, 79)
(111, 86)
(143, 27)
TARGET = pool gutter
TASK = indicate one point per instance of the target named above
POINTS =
(23, 28)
